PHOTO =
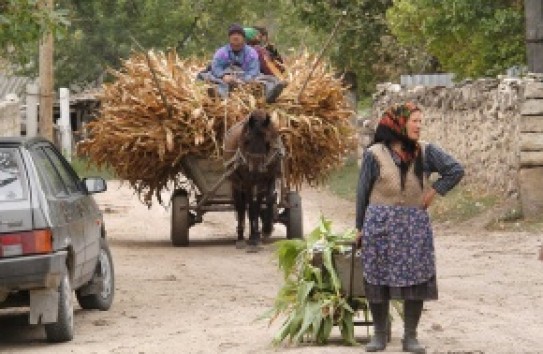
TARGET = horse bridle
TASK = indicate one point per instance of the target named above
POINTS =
(240, 158)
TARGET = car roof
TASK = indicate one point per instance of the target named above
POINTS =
(21, 141)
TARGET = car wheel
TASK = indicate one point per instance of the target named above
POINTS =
(63, 329)
(106, 276)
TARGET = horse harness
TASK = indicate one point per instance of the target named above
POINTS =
(256, 162)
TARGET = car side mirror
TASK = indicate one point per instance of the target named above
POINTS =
(95, 185)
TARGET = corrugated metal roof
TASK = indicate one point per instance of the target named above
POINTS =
(14, 84)
(427, 80)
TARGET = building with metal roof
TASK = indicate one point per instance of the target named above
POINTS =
(14, 85)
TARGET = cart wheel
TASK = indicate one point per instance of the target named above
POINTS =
(180, 219)
(295, 222)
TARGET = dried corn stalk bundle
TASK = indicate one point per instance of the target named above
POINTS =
(147, 124)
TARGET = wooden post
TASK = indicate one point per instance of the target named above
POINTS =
(32, 94)
(46, 79)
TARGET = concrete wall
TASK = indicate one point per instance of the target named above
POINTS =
(10, 118)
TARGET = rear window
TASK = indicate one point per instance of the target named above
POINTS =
(12, 185)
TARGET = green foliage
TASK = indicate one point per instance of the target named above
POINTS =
(84, 168)
(357, 46)
(462, 204)
(22, 23)
(311, 299)
(470, 38)
(378, 39)
(343, 182)
(101, 32)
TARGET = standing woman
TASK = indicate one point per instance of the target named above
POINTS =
(393, 224)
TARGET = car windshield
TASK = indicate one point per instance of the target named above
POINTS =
(11, 172)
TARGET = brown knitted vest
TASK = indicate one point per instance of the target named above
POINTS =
(387, 189)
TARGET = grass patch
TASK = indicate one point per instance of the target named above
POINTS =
(343, 181)
(513, 220)
(365, 103)
(461, 204)
(85, 169)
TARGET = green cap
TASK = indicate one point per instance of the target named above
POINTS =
(250, 33)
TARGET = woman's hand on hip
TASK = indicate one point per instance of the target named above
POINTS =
(428, 198)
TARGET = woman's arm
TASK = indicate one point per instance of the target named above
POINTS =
(449, 170)
(369, 172)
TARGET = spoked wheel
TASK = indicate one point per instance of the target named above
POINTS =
(180, 219)
(294, 222)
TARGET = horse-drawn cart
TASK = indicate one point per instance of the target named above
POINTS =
(214, 194)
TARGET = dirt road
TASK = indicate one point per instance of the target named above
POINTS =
(206, 298)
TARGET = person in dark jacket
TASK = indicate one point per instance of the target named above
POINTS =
(270, 76)
(253, 37)
(272, 50)
(394, 230)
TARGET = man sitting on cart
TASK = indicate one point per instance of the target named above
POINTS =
(236, 64)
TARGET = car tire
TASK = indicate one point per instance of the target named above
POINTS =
(63, 329)
(105, 270)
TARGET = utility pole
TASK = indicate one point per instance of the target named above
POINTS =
(534, 35)
(46, 78)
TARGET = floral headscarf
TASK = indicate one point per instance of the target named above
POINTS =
(395, 118)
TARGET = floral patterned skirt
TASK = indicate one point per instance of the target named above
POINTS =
(398, 254)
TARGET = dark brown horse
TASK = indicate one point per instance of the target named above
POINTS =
(254, 146)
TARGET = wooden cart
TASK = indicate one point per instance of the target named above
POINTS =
(214, 194)
(348, 266)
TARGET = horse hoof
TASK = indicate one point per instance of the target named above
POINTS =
(253, 248)
(240, 244)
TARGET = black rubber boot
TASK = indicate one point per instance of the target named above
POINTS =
(379, 313)
(412, 313)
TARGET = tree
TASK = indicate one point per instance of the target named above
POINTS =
(359, 44)
(21, 24)
(102, 32)
(470, 38)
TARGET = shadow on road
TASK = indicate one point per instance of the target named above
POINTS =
(16, 332)
(194, 243)
(14, 329)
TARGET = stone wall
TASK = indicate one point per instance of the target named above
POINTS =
(478, 122)
(10, 118)
(531, 150)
